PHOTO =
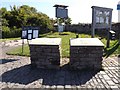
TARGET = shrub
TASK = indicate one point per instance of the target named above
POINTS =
(10, 33)
(5, 32)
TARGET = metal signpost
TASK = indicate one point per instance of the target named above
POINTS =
(101, 19)
(29, 33)
(61, 12)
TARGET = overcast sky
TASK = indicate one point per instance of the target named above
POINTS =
(79, 10)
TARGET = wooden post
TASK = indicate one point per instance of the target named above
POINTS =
(108, 38)
(93, 32)
(93, 23)
(22, 46)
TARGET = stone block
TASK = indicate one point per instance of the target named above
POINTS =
(45, 52)
(86, 53)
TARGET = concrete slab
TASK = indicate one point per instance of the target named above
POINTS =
(86, 42)
(45, 41)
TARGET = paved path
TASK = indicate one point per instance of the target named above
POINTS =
(16, 72)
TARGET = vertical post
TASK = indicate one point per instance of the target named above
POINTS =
(64, 25)
(110, 26)
(58, 24)
(108, 38)
(93, 32)
(28, 42)
(22, 45)
(93, 23)
(119, 39)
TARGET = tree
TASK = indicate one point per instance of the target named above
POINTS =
(28, 10)
(41, 20)
(3, 12)
(66, 21)
(24, 16)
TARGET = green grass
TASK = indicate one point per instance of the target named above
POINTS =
(65, 40)
(65, 36)
(18, 51)
(114, 49)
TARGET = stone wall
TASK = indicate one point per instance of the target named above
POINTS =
(45, 52)
(86, 28)
(82, 28)
(85, 56)
(45, 56)
(116, 28)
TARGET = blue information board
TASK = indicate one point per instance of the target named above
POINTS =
(118, 7)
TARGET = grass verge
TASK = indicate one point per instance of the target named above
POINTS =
(65, 36)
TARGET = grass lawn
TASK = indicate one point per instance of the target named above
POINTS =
(65, 44)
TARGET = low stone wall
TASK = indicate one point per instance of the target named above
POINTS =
(84, 53)
(116, 28)
(86, 28)
(45, 55)
(85, 56)
(82, 28)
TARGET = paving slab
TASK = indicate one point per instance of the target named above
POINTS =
(19, 74)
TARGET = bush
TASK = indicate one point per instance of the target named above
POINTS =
(15, 32)
(10, 33)
(5, 32)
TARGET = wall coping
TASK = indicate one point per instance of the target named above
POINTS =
(45, 41)
(85, 42)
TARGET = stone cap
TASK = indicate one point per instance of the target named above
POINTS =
(85, 42)
(45, 41)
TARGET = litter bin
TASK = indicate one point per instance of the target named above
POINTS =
(112, 35)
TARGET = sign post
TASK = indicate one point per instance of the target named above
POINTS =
(101, 19)
(22, 46)
(61, 12)
(29, 33)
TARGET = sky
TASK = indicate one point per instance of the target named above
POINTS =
(79, 11)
